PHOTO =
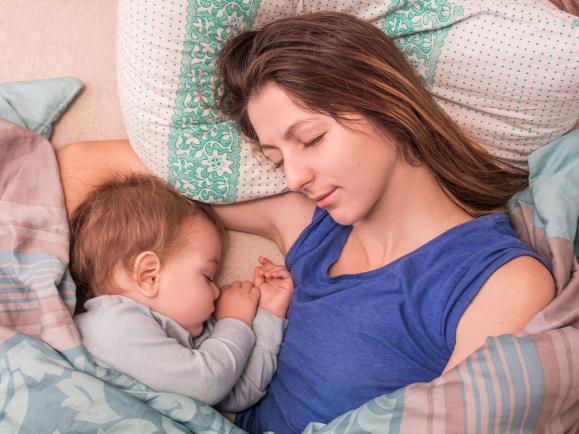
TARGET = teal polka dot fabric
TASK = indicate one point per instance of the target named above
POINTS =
(506, 71)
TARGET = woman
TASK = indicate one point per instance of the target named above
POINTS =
(402, 258)
(407, 265)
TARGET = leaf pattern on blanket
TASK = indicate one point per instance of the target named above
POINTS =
(81, 395)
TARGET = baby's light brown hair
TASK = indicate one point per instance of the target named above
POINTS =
(122, 218)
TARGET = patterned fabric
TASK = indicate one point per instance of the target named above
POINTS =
(409, 26)
(37, 104)
(505, 71)
(48, 383)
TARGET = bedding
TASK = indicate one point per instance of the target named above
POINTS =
(49, 383)
(37, 104)
(505, 71)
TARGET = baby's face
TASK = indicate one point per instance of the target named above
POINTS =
(187, 288)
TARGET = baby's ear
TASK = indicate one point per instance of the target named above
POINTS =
(146, 271)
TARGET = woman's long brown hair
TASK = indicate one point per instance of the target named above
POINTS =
(336, 64)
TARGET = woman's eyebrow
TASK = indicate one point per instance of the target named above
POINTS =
(291, 131)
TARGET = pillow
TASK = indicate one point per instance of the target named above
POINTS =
(505, 71)
(37, 104)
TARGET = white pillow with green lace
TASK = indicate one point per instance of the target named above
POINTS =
(506, 71)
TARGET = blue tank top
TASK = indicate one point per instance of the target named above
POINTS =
(354, 337)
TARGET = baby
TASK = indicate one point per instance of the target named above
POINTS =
(146, 258)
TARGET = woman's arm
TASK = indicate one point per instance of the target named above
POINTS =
(84, 165)
(508, 300)
(280, 218)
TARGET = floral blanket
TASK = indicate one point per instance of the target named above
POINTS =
(49, 384)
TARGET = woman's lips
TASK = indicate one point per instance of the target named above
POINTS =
(325, 200)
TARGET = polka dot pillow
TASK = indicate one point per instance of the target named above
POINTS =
(506, 71)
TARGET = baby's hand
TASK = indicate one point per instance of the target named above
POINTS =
(276, 286)
(238, 300)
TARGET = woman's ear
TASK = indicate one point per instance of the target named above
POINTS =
(146, 271)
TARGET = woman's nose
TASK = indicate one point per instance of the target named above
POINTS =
(297, 173)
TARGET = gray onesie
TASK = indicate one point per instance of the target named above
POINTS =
(229, 365)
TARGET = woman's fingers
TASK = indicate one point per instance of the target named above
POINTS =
(269, 270)
(270, 266)
(263, 260)
(282, 273)
(274, 270)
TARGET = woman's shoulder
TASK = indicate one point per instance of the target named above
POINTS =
(507, 301)
(493, 252)
(476, 245)
(481, 235)
(516, 285)
(493, 224)
(520, 286)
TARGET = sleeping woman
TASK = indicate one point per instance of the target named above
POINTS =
(394, 228)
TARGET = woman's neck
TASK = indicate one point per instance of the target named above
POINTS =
(413, 210)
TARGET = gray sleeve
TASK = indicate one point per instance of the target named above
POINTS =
(128, 338)
(261, 366)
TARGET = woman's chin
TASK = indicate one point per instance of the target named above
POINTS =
(342, 217)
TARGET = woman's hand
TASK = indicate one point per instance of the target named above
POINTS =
(276, 286)
(238, 300)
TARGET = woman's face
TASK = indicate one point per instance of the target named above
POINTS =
(343, 167)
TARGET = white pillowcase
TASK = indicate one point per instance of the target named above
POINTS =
(505, 71)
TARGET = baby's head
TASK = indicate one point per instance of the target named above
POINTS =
(139, 238)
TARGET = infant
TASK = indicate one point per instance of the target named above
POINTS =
(146, 259)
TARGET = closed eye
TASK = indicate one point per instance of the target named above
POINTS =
(314, 141)
(277, 164)
(209, 279)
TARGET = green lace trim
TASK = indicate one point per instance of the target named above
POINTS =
(419, 29)
(204, 149)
